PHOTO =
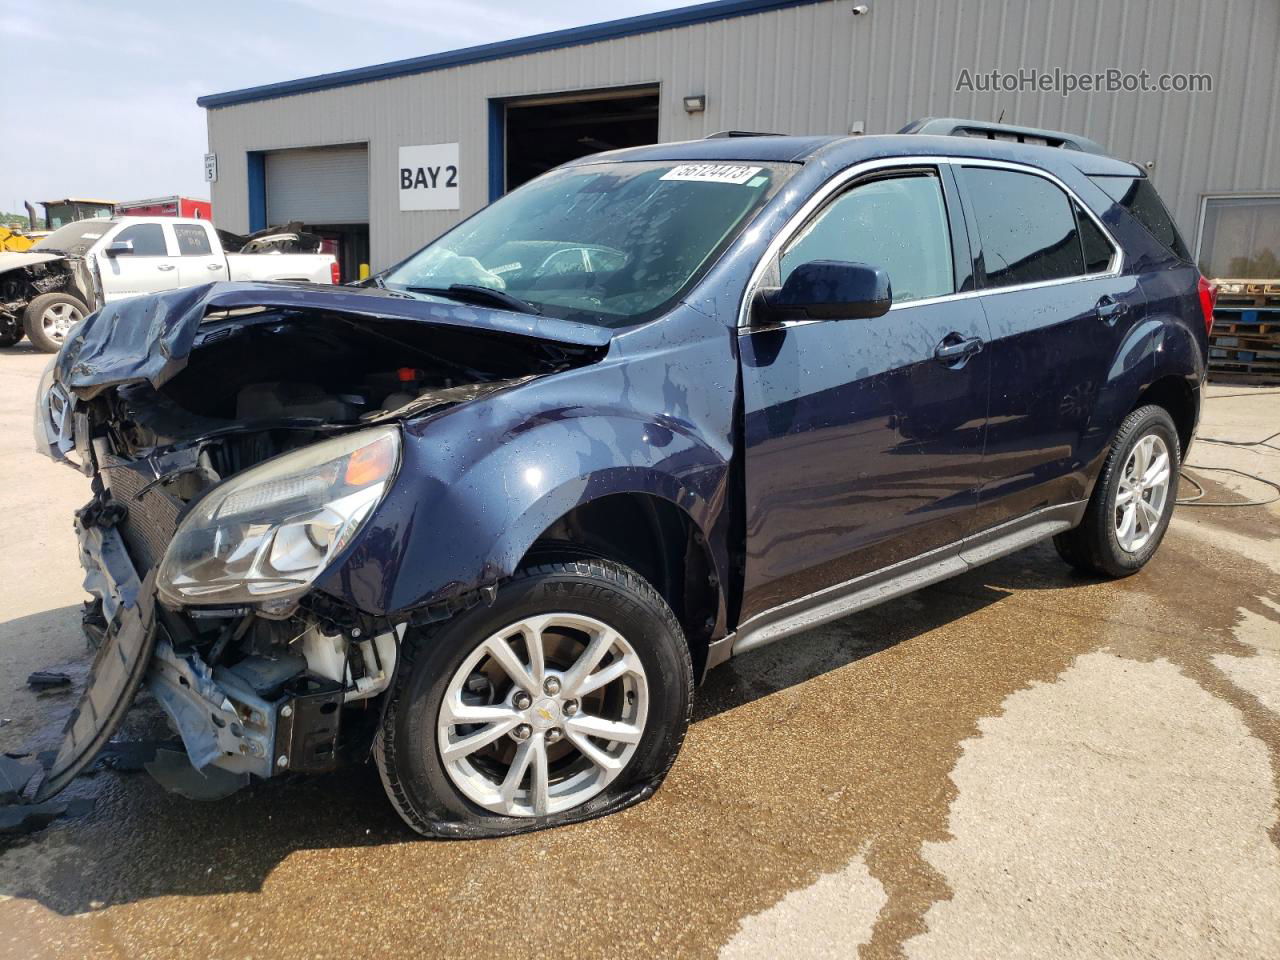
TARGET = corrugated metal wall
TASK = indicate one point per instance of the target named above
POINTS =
(819, 69)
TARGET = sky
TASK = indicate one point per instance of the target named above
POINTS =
(99, 96)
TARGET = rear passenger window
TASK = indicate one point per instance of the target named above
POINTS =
(1097, 248)
(192, 240)
(147, 239)
(1027, 226)
(1139, 197)
(898, 224)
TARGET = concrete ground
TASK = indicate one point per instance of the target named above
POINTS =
(1016, 763)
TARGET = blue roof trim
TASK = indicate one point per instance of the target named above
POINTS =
(539, 43)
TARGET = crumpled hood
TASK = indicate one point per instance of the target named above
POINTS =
(150, 337)
(13, 261)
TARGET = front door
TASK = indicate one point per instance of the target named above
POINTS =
(863, 439)
(147, 267)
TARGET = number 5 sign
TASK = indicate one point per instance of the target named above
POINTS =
(429, 177)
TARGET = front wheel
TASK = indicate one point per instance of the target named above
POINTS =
(50, 317)
(1132, 501)
(566, 699)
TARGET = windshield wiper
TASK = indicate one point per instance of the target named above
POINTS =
(468, 293)
(61, 253)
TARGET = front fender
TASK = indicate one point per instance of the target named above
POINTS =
(479, 485)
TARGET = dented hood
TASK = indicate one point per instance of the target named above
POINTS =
(149, 338)
(13, 261)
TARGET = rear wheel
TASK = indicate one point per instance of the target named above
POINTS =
(1132, 501)
(49, 318)
(566, 699)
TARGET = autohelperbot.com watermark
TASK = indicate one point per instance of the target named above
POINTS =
(1067, 82)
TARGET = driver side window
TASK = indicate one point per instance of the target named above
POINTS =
(896, 223)
(147, 239)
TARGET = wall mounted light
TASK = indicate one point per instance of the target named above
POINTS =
(695, 104)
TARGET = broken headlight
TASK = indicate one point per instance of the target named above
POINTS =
(267, 533)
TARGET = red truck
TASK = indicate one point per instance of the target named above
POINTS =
(167, 207)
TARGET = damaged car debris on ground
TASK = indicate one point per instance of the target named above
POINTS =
(482, 522)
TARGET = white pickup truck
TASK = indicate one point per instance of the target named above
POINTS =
(81, 266)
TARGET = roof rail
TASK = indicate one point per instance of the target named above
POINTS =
(722, 134)
(955, 127)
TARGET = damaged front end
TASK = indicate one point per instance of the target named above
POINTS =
(240, 438)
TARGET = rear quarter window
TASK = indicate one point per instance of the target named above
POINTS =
(1139, 198)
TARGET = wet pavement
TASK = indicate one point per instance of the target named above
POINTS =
(1016, 763)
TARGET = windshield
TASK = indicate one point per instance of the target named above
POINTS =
(75, 238)
(610, 244)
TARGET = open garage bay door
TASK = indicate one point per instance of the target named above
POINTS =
(544, 132)
(327, 190)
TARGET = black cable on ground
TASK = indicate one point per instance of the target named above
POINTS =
(1198, 499)
(1264, 442)
(1251, 393)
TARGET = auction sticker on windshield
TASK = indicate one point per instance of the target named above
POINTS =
(711, 173)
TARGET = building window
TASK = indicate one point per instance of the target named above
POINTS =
(1240, 238)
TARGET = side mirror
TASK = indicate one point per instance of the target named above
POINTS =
(829, 290)
(119, 248)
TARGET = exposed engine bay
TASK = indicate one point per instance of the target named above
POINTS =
(25, 276)
(201, 549)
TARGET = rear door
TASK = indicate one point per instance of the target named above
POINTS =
(200, 258)
(148, 267)
(863, 438)
(1058, 308)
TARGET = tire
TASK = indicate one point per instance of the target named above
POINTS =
(49, 318)
(449, 666)
(1103, 544)
(11, 333)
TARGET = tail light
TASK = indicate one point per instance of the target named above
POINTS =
(335, 277)
(1208, 297)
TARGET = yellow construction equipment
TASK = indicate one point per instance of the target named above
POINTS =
(14, 241)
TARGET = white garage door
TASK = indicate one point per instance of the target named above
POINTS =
(319, 186)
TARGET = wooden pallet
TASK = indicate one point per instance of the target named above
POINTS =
(1249, 379)
(1242, 320)
(1248, 293)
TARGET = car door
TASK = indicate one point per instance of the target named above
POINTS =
(863, 438)
(199, 259)
(145, 266)
(1058, 309)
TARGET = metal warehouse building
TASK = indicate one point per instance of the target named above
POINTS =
(386, 157)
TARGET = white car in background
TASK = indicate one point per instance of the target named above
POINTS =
(79, 267)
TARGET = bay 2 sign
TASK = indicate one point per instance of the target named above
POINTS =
(429, 177)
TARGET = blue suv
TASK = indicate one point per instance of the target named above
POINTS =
(486, 519)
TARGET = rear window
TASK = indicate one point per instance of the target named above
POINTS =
(1139, 197)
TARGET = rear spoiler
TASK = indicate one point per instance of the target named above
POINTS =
(956, 127)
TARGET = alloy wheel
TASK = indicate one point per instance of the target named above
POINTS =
(1142, 493)
(543, 715)
(58, 319)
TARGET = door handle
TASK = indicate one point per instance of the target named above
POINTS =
(956, 348)
(1111, 309)
(164, 266)
(215, 266)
